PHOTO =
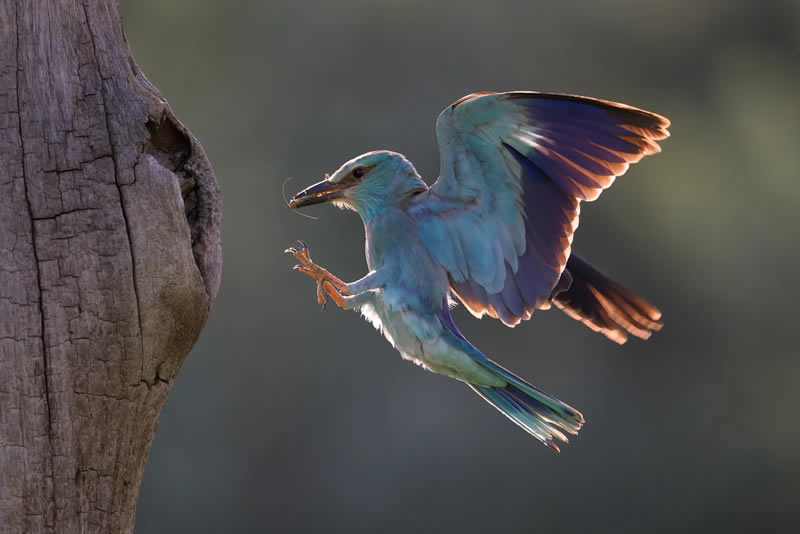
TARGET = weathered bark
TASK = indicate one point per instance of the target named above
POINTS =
(109, 263)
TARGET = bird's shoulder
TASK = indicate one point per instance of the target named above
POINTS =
(431, 203)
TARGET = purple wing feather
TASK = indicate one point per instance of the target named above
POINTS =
(520, 163)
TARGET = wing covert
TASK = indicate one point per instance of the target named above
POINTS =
(513, 170)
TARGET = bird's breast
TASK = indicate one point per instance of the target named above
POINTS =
(394, 243)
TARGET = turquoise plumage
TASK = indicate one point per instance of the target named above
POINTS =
(495, 231)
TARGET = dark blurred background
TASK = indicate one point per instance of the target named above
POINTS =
(287, 419)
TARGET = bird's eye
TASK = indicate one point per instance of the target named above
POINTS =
(358, 172)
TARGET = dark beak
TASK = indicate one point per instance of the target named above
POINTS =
(317, 194)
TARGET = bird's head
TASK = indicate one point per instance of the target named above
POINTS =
(366, 184)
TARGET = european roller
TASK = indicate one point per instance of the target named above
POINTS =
(495, 232)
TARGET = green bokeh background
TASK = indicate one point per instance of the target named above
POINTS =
(287, 419)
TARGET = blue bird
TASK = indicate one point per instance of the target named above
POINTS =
(494, 230)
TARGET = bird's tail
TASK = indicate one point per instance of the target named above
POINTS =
(543, 416)
(604, 305)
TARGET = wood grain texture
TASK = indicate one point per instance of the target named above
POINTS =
(110, 260)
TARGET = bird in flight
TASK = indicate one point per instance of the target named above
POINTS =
(495, 231)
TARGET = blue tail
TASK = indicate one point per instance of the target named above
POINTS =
(541, 415)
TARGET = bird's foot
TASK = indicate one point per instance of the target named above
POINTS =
(328, 285)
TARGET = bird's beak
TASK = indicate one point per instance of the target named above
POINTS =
(316, 194)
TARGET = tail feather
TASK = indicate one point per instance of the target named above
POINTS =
(543, 416)
(604, 305)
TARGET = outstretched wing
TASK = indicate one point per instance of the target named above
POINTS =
(514, 168)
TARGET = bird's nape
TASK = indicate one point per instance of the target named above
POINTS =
(367, 184)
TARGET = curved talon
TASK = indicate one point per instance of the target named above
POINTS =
(322, 296)
(301, 250)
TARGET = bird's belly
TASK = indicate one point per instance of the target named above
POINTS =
(419, 336)
(386, 317)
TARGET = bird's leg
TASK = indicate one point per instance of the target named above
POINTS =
(328, 285)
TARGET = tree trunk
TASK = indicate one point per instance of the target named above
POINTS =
(109, 262)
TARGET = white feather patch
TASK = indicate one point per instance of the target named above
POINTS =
(369, 313)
